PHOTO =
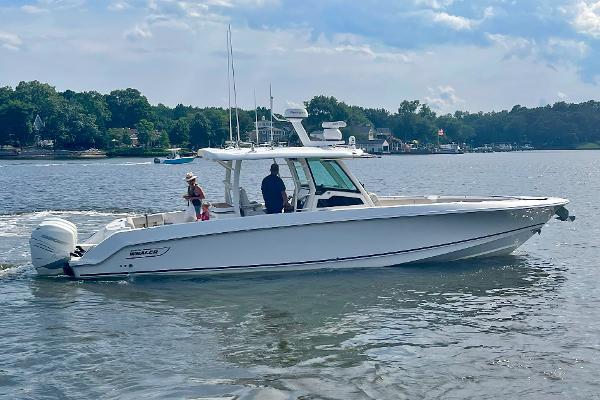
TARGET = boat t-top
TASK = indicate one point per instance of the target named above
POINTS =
(335, 223)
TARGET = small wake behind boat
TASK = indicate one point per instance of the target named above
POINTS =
(334, 223)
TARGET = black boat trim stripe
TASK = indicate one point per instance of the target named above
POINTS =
(125, 273)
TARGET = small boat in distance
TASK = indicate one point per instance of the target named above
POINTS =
(450, 148)
(174, 158)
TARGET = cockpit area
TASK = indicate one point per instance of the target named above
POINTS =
(316, 182)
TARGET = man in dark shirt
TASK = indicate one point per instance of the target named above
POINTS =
(273, 191)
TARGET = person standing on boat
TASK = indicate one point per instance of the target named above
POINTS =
(273, 191)
(195, 194)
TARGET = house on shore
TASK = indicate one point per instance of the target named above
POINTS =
(379, 140)
(374, 146)
(133, 136)
(395, 145)
(264, 126)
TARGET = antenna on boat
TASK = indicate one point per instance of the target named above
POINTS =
(229, 84)
(255, 117)
(237, 118)
(271, 112)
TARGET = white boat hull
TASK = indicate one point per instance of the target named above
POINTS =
(348, 238)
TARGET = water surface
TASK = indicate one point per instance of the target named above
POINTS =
(523, 326)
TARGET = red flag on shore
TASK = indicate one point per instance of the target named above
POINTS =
(440, 132)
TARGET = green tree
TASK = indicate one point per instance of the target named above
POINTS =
(200, 131)
(405, 122)
(144, 131)
(127, 108)
(322, 108)
(426, 112)
(92, 103)
(46, 103)
(163, 117)
(219, 123)
(87, 119)
(180, 132)
(6, 94)
(164, 140)
(379, 117)
(114, 137)
(84, 132)
(126, 138)
(15, 122)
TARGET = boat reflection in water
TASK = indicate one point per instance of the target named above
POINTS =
(341, 332)
(348, 301)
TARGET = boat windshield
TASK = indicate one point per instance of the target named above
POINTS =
(328, 175)
(302, 179)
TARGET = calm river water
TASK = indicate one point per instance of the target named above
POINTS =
(525, 326)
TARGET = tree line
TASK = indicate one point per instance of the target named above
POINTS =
(82, 120)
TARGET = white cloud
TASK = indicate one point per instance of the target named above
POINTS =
(61, 4)
(561, 95)
(139, 32)
(587, 18)
(489, 12)
(31, 9)
(341, 44)
(552, 50)
(512, 44)
(205, 9)
(193, 9)
(567, 49)
(364, 51)
(435, 4)
(444, 98)
(10, 41)
(453, 21)
(118, 6)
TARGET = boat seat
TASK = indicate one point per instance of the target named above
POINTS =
(144, 221)
(248, 207)
(221, 208)
(174, 217)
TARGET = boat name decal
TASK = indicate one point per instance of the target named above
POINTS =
(140, 253)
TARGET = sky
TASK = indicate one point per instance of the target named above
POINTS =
(478, 55)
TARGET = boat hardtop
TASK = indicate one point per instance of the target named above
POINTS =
(265, 153)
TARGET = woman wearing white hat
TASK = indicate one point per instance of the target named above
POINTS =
(195, 194)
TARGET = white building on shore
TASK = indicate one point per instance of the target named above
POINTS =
(264, 133)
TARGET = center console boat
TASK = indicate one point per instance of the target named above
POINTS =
(335, 223)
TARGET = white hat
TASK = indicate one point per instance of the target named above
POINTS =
(189, 176)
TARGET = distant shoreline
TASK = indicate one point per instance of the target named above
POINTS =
(41, 154)
(103, 156)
